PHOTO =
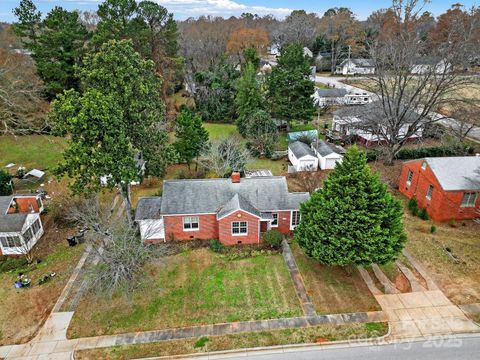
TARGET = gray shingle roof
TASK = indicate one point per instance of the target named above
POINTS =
(372, 111)
(12, 222)
(456, 172)
(4, 204)
(208, 196)
(237, 203)
(323, 148)
(148, 208)
(300, 149)
(363, 62)
(328, 93)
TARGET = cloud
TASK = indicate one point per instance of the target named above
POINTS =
(192, 8)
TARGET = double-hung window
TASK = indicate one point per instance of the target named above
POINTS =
(190, 223)
(274, 222)
(27, 235)
(429, 192)
(469, 199)
(36, 226)
(295, 219)
(409, 177)
(239, 228)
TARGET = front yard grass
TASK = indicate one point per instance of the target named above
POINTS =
(238, 341)
(458, 280)
(218, 131)
(331, 288)
(195, 287)
(23, 311)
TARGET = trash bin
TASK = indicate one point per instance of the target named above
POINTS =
(71, 240)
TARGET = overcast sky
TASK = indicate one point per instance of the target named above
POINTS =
(186, 8)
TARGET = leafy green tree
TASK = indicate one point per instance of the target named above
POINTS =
(262, 133)
(5, 183)
(289, 88)
(353, 219)
(249, 97)
(250, 56)
(192, 138)
(57, 44)
(215, 91)
(119, 114)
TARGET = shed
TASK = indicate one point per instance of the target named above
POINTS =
(328, 154)
(302, 157)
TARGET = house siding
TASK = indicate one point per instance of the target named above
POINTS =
(225, 229)
(444, 205)
(208, 227)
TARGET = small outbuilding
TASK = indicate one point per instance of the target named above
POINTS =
(356, 67)
(302, 157)
(328, 155)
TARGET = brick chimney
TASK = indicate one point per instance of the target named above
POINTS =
(235, 177)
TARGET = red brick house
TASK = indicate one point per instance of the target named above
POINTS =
(448, 187)
(233, 210)
(20, 223)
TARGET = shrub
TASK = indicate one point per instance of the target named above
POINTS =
(413, 206)
(201, 342)
(273, 238)
(433, 229)
(216, 246)
(422, 214)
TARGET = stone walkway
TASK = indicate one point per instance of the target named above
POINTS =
(422, 312)
(305, 302)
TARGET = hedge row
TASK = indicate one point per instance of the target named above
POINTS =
(419, 153)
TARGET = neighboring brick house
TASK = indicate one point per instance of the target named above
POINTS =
(20, 223)
(232, 210)
(448, 187)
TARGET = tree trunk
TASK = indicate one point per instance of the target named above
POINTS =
(125, 191)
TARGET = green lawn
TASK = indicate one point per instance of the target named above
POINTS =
(32, 151)
(321, 85)
(220, 131)
(192, 288)
(334, 289)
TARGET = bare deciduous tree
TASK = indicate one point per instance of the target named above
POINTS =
(22, 109)
(413, 79)
(225, 156)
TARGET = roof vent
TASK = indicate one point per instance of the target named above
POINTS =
(235, 177)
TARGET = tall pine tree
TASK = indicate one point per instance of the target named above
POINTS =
(353, 219)
(289, 87)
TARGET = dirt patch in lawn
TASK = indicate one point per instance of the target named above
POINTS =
(195, 287)
(458, 280)
(333, 289)
(323, 333)
(23, 311)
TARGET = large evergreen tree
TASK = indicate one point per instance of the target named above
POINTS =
(353, 219)
(192, 137)
(249, 97)
(289, 87)
(57, 44)
(119, 114)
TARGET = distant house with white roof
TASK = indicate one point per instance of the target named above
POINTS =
(356, 67)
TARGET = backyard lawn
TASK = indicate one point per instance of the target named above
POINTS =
(220, 131)
(237, 341)
(32, 151)
(332, 289)
(23, 311)
(192, 288)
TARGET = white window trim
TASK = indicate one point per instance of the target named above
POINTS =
(424, 165)
(194, 229)
(271, 223)
(409, 182)
(292, 227)
(239, 227)
(429, 197)
(474, 199)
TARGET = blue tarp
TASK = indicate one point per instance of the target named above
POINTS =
(294, 136)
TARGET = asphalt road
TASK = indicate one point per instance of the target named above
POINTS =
(464, 348)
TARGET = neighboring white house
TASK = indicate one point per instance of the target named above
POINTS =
(327, 97)
(358, 98)
(302, 157)
(149, 220)
(356, 67)
(307, 52)
(426, 65)
(350, 121)
(20, 223)
(274, 49)
(328, 155)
